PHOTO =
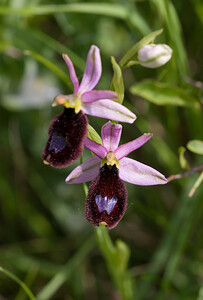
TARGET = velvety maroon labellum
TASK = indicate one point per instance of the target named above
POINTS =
(67, 133)
(107, 198)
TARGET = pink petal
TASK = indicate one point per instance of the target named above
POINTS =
(111, 134)
(92, 72)
(98, 95)
(87, 171)
(135, 172)
(109, 109)
(96, 148)
(127, 148)
(72, 73)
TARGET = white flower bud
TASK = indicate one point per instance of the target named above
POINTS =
(154, 55)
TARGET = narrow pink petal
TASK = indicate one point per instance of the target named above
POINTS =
(96, 148)
(98, 95)
(111, 134)
(92, 72)
(72, 73)
(127, 148)
(109, 109)
(135, 172)
(87, 171)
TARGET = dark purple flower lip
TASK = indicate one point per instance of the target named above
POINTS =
(66, 138)
(107, 198)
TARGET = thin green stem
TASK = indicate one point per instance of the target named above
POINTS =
(187, 173)
(116, 258)
(196, 185)
(20, 282)
(62, 75)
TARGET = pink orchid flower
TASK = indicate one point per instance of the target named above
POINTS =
(107, 197)
(67, 131)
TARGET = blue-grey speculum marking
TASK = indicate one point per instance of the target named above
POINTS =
(105, 204)
(57, 143)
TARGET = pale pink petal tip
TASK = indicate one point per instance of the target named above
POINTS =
(72, 73)
(87, 171)
(92, 72)
(135, 172)
(127, 148)
(110, 110)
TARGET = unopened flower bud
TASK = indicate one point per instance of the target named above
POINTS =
(154, 55)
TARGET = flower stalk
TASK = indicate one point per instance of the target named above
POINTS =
(198, 168)
(197, 183)
(116, 258)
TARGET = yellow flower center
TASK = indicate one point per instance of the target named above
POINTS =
(110, 160)
(69, 101)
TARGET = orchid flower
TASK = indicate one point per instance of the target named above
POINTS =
(67, 131)
(107, 196)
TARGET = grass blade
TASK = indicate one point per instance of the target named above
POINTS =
(20, 282)
(60, 278)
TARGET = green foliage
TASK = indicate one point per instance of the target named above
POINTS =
(183, 161)
(161, 93)
(50, 65)
(195, 146)
(117, 81)
(117, 258)
(20, 282)
(170, 19)
(93, 135)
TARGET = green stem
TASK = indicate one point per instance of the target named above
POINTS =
(47, 63)
(116, 258)
(196, 185)
(20, 282)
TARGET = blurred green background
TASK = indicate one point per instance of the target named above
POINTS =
(45, 239)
